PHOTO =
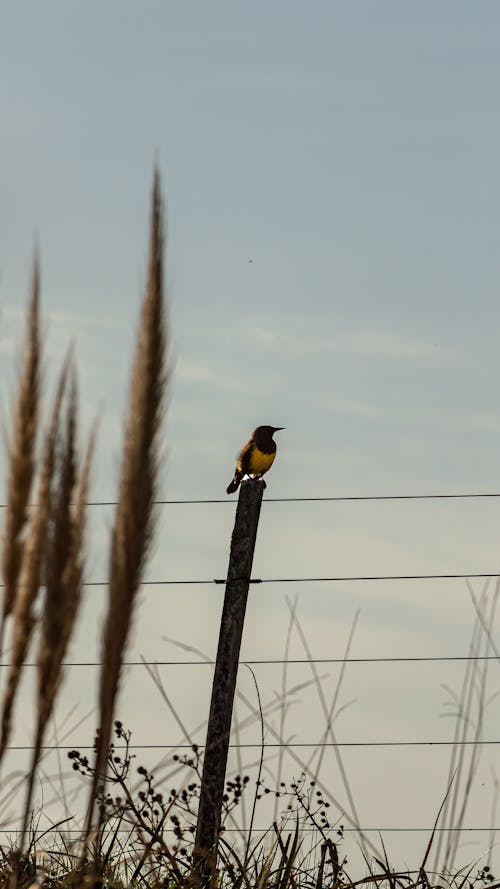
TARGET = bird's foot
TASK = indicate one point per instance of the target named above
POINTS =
(257, 479)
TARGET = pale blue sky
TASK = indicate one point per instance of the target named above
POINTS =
(351, 151)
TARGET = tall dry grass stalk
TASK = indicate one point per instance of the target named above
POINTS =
(133, 525)
(469, 707)
(22, 453)
(30, 573)
(64, 561)
(64, 584)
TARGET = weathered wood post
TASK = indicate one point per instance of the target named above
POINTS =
(224, 683)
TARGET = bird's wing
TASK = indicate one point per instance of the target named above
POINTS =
(243, 461)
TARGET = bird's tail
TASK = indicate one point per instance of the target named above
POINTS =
(235, 483)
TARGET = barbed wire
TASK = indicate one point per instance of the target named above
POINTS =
(347, 498)
(271, 745)
(284, 661)
(341, 498)
(333, 579)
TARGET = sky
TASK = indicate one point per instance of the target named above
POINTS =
(332, 184)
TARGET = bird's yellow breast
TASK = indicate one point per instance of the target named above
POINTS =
(259, 461)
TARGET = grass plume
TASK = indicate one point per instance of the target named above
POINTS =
(63, 573)
(31, 569)
(134, 517)
(22, 452)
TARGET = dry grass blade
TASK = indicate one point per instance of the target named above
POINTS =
(61, 601)
(469, 706)
(480, 687)
(422, 877)
(63, 574)
(22, 447)
(285, 868)
(463, 707)
(263, 877)
(284, 683)
(329, 713)
(74, 570)
(134, 518)
(31, 568)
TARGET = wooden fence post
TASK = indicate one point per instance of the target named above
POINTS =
(224, 682)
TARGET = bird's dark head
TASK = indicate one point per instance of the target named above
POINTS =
(263, 433)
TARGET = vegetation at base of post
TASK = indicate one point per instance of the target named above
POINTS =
(146, 837)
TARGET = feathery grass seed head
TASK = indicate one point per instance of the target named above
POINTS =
(22, 447)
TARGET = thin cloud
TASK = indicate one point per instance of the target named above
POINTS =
(302, 335)
(69, 321)
(300, 339)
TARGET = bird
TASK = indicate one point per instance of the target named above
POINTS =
(256, 456)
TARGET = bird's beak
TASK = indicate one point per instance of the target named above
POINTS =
(278, 428)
